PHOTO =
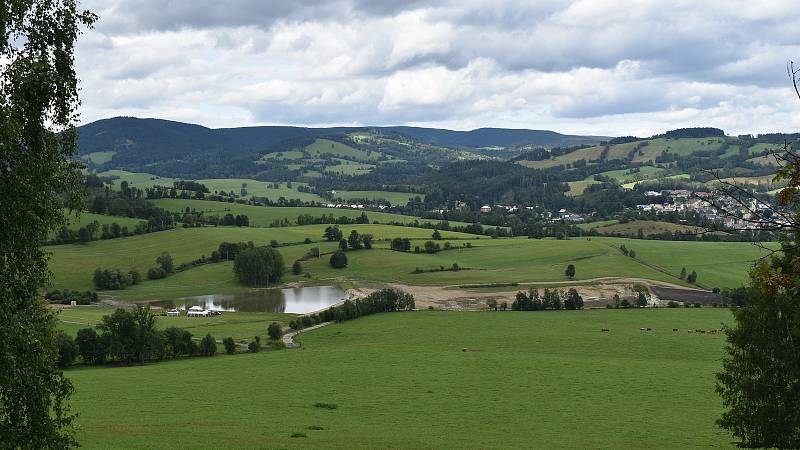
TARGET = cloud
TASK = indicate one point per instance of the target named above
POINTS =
(585, 66)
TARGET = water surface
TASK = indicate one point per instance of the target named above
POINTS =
(291, 300)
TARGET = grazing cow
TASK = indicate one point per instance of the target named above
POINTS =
(605, 329)
(674, 329)
(641, 329)
(649, 329)
(690, 331)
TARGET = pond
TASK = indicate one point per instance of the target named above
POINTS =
(291, 300)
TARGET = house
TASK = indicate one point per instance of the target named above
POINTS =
(486, 209)
(173, 313)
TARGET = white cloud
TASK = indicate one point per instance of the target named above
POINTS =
(590, 66)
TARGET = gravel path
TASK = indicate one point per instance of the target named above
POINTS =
(288, 338)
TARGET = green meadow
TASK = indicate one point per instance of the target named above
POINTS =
(429, 379)
(241, 326)
(509, 260)
(263, 216)
(85, 218)
(73, 264)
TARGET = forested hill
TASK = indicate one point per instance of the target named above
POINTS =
(495, 137)
(137, 140)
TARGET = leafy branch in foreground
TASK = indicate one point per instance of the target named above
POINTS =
(760, 380)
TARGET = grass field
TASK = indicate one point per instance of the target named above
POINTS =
(261, 216)
(489, 261)
(143, 180)
(240, 325)
(544, 380)
(626, 176)
(351, 168)
(259, 189)
(648, 227)
(86, 218)
(578, 187)
(140, 180)
(99, 157)
(528, 260)
(395, 198)
(73, 265)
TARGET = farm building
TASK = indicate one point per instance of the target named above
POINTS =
(486, 209)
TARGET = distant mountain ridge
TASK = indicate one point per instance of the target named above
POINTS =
(148, 140)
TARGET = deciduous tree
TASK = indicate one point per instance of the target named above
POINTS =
(39, 90)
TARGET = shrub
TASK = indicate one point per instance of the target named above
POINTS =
(297, 267)
(338, 260)
(111, 279)
(275, 331)
(672, 304)
(165, 262)
(253, 346)
(154, 273)
(324, 405)
(208, 346)
(136, 277)
(67, 349)
(230, 345)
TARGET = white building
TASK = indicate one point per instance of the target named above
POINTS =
(196, 311)
(486, 209)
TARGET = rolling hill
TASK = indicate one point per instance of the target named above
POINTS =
(135, 140)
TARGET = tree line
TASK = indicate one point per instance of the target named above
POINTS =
(551, 299)
(384, 300)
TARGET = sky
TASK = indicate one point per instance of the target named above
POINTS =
(601, 67)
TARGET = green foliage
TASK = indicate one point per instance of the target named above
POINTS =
(254, 346)
(260, 266)
(91, 346)
(760, 380)
(176, 342)
(338, 259)
(692, 277)
(230, 346)
(297, 267)
(165, 262)
(67, 350)
(66, 296)
(155, 273)
(113, 279)
(208, 345)
(274, 331)
(641, 300)
(570, 272)
(131, 335)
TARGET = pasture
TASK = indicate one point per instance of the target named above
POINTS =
(395, 198)
(488, 261)
(264, 216)
(73, 264)
(241, 326)
(648, 228)
(85, 218)
(430, 379)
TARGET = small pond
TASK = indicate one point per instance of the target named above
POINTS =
(291, 300)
